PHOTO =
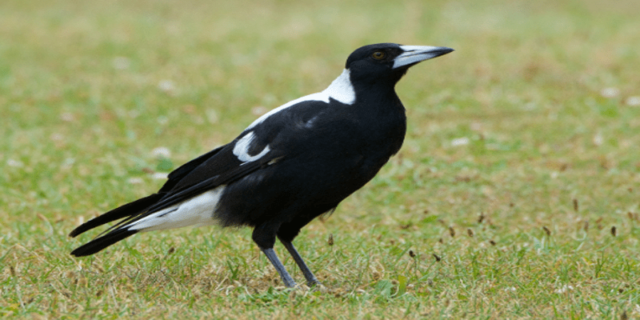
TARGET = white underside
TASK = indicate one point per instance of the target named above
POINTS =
(197, 211)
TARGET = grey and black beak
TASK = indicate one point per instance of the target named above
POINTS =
(415, 54)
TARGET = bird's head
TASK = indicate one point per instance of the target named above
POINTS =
(388, 62)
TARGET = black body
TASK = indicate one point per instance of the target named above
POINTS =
(319, 153)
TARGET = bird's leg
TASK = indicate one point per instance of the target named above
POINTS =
(311, 279)
(265, 237)
(273, 258)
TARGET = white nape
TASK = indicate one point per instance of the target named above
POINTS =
(241, 149)
(341, 90)
(197, 211)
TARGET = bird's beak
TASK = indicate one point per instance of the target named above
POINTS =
(415, 54)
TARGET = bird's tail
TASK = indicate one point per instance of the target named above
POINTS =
(116, 234)
(102, 242)
(142, 215)
(128, 210)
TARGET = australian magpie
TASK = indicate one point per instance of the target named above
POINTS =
(289, 166)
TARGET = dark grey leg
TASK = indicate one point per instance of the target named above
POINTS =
(273, 258)
(311, 279)
(264, 236)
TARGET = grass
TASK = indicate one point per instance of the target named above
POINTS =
(516, 194)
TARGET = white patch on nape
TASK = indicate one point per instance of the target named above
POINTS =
(197, 211)
(340, 90)
(241, 149)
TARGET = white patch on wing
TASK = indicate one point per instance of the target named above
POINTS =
(197, 211)
(241, 149)
(340, 89)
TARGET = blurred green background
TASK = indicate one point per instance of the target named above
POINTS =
(520, 171)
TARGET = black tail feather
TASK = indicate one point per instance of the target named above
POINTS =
(100, 243)
(126, 210)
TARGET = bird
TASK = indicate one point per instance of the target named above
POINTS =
(291, 165)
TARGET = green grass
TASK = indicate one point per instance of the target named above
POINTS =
(89, 89)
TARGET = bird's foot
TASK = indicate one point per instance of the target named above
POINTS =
(316, 286)
(289, 282)
(312, 287)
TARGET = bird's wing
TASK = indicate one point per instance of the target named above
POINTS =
(272, 137)
(176, 175)
(263, 144)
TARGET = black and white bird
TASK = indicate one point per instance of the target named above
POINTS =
(289, 166)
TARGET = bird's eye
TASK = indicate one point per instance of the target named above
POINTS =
(378, 55)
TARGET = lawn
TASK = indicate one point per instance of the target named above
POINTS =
(516, 194)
